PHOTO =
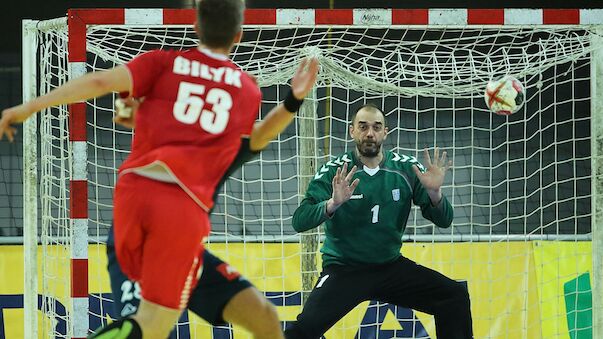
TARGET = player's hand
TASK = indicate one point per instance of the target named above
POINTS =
(11, 116)
(304, 78)
(125, 111)
(433, 177)
(342, 189)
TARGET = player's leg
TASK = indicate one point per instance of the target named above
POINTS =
(252, 311)
(151, 320)
(126, 327)
(125, 292)
(172, 262)
(337, 291)
(420, 288)
(167, 262)
(223, 295)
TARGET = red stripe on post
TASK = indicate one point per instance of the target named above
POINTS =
(334, 16)
(79, 278)
(260, 17)
(78, 199)
(101, 16)
(410, 16)
(173, 16)
(77, 122)
(560, 16)
(485, 16)
(76, 46)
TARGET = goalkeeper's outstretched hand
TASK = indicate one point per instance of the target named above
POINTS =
(343, 187)
(435, 172)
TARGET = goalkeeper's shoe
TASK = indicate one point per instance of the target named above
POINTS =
(120, 329)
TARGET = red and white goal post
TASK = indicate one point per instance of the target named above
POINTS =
(527, 189)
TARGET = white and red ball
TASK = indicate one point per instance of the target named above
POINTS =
(504, 96)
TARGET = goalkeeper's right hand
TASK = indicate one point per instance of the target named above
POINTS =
(125, 111)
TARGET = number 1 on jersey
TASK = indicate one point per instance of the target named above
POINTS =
(375, 211)
(188, 108)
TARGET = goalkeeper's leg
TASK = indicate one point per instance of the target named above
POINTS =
(421, 288)
(338, 290)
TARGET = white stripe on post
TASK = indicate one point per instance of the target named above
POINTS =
(448, 16)
(591, 16)
(372, 17)
(80, 319)
(522, 16)
(288, 16)
(80, 160)
(143, 16)
(79, 247)
(76, 69)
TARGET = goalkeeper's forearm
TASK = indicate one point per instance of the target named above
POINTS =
(309, 214)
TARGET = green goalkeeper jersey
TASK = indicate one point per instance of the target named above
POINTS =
(368, 228)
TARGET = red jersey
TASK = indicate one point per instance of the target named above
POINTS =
(197, 106)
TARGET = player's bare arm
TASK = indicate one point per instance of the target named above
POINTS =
(433, 177)
(342, 188)
(89, 86)
(279, 117)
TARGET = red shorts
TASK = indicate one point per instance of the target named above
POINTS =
(158, 238)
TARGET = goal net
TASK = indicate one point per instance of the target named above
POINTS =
(522, 186)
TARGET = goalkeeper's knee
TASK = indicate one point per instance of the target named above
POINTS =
(121, 329)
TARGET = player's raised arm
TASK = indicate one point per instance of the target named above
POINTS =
(281, 116)
(88, 86)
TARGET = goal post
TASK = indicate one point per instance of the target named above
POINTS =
(30, 185)
(527, 234)
(597, 178)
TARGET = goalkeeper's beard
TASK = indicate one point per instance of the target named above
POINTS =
(369, 149)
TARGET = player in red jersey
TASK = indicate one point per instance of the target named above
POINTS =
(198, 108)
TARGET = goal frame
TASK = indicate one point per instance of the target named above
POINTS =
(79, 19)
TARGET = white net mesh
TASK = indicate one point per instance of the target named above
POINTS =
(519, 184)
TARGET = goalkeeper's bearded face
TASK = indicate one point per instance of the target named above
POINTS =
(368, 131)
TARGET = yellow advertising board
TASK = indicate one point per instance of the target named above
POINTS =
(517, 289)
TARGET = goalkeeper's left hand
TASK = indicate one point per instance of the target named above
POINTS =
(433, 177)
(125, 111)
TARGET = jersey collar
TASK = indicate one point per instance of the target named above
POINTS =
(356, 161)
(211, 54)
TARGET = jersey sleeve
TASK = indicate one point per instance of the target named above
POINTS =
(144, 69)
(442, 213)
(312, 210)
